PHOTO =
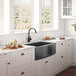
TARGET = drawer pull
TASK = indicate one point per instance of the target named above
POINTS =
(62, 56)
(61, 43)
(22, 73)
(68, 45)
(22, 54)
(46, 62)
(8, 62)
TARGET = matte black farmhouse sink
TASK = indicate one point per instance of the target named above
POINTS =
(43, 49)
(37, 44)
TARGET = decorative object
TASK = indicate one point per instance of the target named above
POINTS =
(12, 45)
(74, 25)
(62, 38)
(49, 38)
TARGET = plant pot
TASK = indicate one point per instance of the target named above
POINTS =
(75, 29)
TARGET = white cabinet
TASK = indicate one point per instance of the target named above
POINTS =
(64, 54)
(40, 67)
(74, 51)
(60, 52)
(23, 57)
(50, 66)
(46, 67)
(25, 71)
(74, 8)
(68, 52)
(3, 65)
(66, 8)
(18, 63)
(23, 62)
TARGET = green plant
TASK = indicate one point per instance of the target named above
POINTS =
(74, 25)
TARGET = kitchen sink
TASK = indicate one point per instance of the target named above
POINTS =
(43, 49)
(37, 44)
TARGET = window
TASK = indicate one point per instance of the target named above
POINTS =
(22, 15)
(45, 13)
(4, 17)
(67, 7)
(49, 15)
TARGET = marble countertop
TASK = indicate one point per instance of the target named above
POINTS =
(57, 39)
(3, 52)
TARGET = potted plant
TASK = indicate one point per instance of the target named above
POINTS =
(74, 25)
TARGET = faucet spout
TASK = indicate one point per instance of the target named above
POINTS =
(29, 37)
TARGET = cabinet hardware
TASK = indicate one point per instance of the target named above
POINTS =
(22, 73)
(22, 54)
(8, 62)
(62, 56)
(46, 62)
(61, 43)
(5, 53)
(68, 45)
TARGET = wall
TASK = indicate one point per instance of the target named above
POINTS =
(69, 29)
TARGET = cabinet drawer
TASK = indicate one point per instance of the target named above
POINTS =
(23, 57)
(26, 71)
(60, 46)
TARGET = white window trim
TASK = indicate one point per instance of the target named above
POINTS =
(54, 26)
(33, 24)
(13, 31)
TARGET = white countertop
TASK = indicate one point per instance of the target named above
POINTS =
(2, 52)
(57, 39)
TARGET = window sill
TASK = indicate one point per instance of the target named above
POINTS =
(50, 29)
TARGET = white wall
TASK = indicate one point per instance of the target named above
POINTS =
(69, 29)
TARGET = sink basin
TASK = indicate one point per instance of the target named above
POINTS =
(43, 49)
(38, 44)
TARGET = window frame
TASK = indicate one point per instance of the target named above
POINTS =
(31, 19)
(51, 15)
(11, 8)
(5, 17)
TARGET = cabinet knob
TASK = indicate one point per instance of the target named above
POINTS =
(9, 63)
(68, 45)
(22, 73)
(22, 54)
(46, 61)
(61, 43)
(62, 56)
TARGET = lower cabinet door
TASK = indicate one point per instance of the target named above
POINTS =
(60, 53)
(3, 67)
(68, 52)
(25, 71)
(46, 67)
(50, 66)
(40, 68)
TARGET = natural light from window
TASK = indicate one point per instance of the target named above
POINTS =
(45, 13)
(4, 17)
(49, 15)
(22, 15)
